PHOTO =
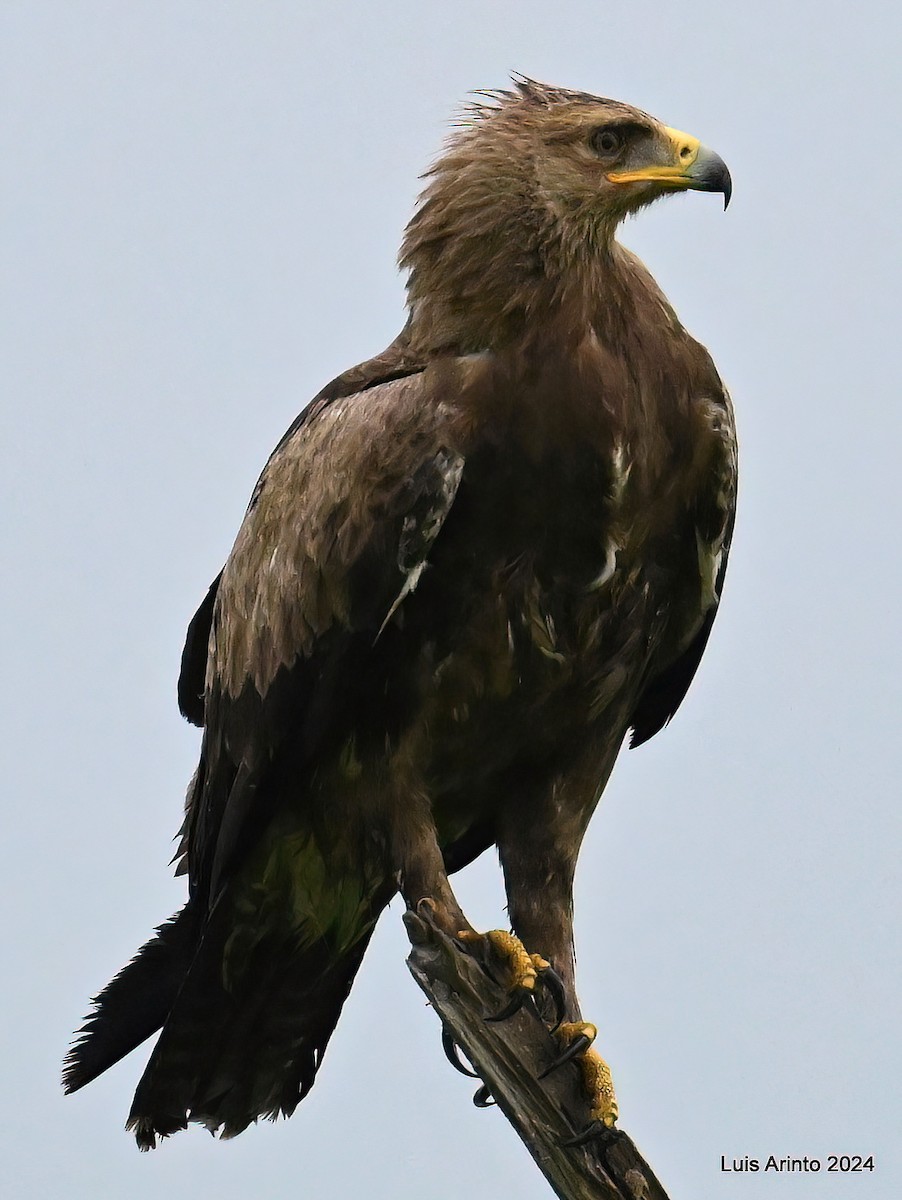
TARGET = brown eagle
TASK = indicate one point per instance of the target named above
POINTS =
(471, 566)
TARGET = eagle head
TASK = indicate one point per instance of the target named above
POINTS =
(529, 191)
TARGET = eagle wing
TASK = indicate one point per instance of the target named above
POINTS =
(193, 670)
(249, 979)
(394, 363)
(337, 534)
(714, 520)
(666, 691)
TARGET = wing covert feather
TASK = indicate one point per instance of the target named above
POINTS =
(342, 522)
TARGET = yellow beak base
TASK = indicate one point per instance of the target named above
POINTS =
(694, 167)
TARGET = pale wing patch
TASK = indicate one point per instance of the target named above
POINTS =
(420, 529)
(621, 466)
(710, 558)
(606, 574)
(714, 543)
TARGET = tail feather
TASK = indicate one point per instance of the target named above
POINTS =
(233, 1050)
(273, 1053)
(136, 1003)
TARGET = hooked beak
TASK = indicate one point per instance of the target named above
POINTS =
(693, 167)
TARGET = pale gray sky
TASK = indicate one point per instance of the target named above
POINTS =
(202, 205)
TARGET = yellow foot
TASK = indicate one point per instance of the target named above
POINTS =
(578, 1037)
(521, 964)
(524, 969)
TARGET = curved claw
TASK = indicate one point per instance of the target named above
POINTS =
(516, 1002)
(578, 1046)
(452, 1053)
(594, 1131)
(483, 1097)
(554, 986)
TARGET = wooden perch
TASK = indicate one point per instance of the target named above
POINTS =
(508, 1056)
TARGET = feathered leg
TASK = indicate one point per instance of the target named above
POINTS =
(538, 877)
(539, 861)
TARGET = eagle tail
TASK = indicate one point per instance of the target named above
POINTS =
(136, 1003)
(245, 1042)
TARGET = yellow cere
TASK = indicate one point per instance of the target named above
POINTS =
(686, 148)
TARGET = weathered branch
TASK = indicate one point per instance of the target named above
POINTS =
(508, 1056)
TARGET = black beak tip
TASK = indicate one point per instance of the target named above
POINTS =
(727, 189)
(709, 173)
(717, 179)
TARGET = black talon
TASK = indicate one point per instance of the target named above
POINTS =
(554, 985)
(483, 1097)
(578, 1046)
(593, 1132)
(452, 1054)
(513, 1006)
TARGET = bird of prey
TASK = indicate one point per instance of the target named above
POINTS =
(469, 569)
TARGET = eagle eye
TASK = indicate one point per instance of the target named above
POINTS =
(607, 141)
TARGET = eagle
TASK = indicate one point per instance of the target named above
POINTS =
(472, 567)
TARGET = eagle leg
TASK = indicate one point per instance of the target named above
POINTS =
(423, 879)
(577, 1038)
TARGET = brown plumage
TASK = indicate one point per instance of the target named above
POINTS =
(468, 569)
